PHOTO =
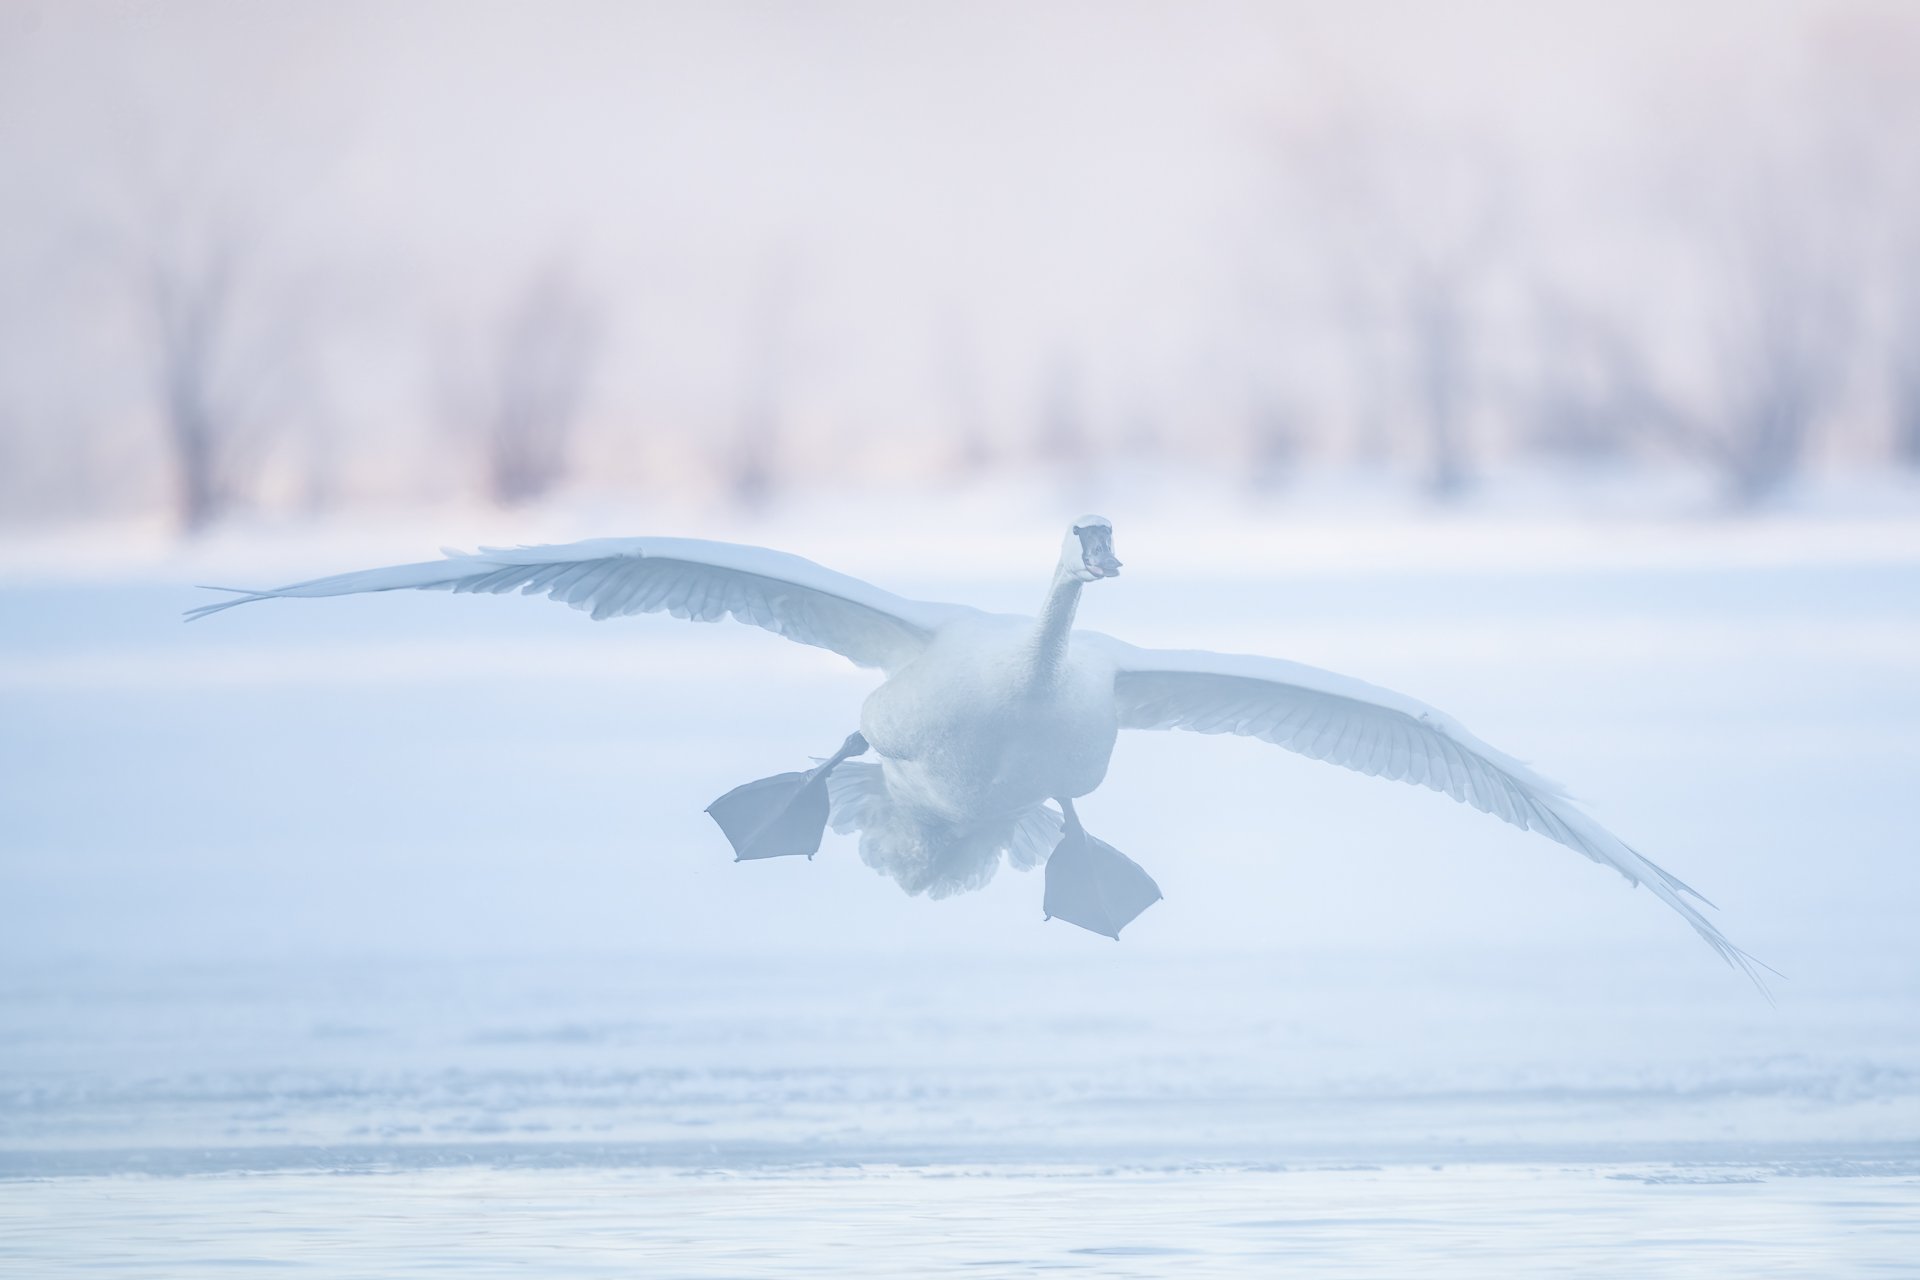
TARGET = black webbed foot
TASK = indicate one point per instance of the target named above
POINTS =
(783, 815)
(1092, 884)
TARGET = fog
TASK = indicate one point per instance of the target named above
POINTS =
(1553, 367)
(838, 246)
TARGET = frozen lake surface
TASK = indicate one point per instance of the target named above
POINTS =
(388, 937)
(1118, 1116)
(971, 1220)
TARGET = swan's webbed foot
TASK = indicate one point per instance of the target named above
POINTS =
(782, 815)
(1092, 884)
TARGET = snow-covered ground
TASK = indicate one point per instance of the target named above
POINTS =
(421, 887)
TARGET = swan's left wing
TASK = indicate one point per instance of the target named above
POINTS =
(1377, 732)
(686, 577)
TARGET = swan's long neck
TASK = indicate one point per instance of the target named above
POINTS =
(1056, 625)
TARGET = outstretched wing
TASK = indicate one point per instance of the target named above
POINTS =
(686, 577)
(1379, 733)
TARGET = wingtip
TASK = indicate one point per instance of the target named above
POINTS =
(207, 610)
(242, 595)
(1673, 881)
(1751, 966)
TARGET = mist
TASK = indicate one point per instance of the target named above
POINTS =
(1544, 378)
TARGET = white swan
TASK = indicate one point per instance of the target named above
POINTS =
(983, 718)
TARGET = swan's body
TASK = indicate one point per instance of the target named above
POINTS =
(983, 718)
(972, 739)
(965, 730)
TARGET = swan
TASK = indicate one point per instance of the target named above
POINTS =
(983, 719)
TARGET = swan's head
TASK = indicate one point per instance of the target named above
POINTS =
(1087, 553)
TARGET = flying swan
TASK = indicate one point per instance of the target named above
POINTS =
(983, 718)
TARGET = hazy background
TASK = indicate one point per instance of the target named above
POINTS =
(1556, 365)
(349, 257)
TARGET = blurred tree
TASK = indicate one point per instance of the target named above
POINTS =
(1778, 339)
(1273, 440)
(959, 380)
(1439, 333)
(1781, 347)
(1369, 369)
(222, 358)
(547, 345)
(1904, 369)
(1410, 228)
(1779, 315)
(1866, 108)
(1583, 396)
(751, 462)
(1060, 434)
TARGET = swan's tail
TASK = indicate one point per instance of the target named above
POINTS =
(927, 855)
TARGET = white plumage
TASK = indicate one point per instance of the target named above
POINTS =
(983, 718)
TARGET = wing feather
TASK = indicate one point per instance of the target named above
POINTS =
(684, 577)
(1374, 731)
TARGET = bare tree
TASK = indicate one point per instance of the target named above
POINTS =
(190, 311)
(1273, 439)
(1411, 235)
(1903, 365)
(751, 462)
(547, 346)
(1439, 332)
(1061, 433)
(1369, 369)
(1906, 407)
(1781, 349)
(223, 362)
(1866, 108)
(1775, 338)
(959, 381)
(1586, 395)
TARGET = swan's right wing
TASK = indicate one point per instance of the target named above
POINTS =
(686, 577)
(1375, 731)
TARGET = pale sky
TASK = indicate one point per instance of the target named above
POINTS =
(968, 193)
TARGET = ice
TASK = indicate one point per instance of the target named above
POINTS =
(885, 1221)
(419, 889)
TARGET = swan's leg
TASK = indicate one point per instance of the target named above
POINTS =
(782, 815)
(1092, 884)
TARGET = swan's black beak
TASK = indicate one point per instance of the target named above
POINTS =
(1096, 550)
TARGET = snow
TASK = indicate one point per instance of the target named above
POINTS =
(419, 888)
